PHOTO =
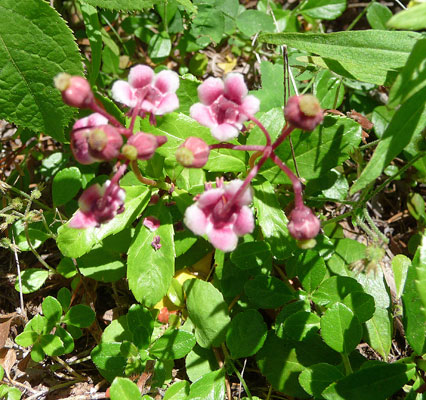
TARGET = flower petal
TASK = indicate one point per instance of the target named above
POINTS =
(140, 76)
(245, 222)
(235, 87)
(167, 81)
(210, 197)
(80, 220)
(224, 132)
(90, 121)
(223, 239)
(122, 92)
(195, 220)
(210, 90)
(250, 105)
(202, 114)
(168, 103)
(245, 198)
(90, 196)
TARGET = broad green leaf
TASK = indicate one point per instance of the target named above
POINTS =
(419, 263)
(64, 298)
(66, 268)
(287, 311)
(335, 289)
(67, 339)
(317, 377)
(374, 285)
(310, 268)
(340, 329)
(118, 330)
(188, 6)
(267, 292)
(178, 391)
(124, 389)
(160, 45)
(211, 386)
(150, 271)
(272, 220)
(328, 89)
(246, 334)
(208, 311)
(377, 382)
(412, 18)
(52, 345)
(52, 310)
(38, 324)
(125, 5)
(141, 325)
(346, 252)
(379, 332)
(251, 22)
(36, 234)
(323, 9)
(27, 338)
(378, 15)
(301, 324)
(172, 345)
(81, 316)
(37, 353)
(282, 360)
(412, 78)
(362, 305)
(33, 50)
(400, 265)
(409, 119)
(32, 279)
(9, 393)
(109, 360)
(74, 243)
(209, 24)
(271, 93)
(66, 184)
(252, 255)
(200, 362)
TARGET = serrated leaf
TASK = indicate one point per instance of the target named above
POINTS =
(150, 271)
(211, 386)
(208, 311)
(323, 9)
(74, 243)
(124, 389)
(172, 345)
(124, 5)
(33, 50)
(379, 332)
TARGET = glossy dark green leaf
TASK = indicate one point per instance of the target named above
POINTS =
(377, 382)
(81, 316)
(200, 362)
(377, 15)
(300, 325)
(379, 332)
(109, 360)
(178, 391)
(340, 328)
(66, 184)
(211, 386)
(310, 268)
(32, 279)
(141, 324)
(252, 255)
(67, 339)
(172, 345)
(208, 311)
(64, 298)
(362, 305)
(317, 377)
(52, 310)
(335, 289)
(267, 292)
(36, 47)
(323, 9)
(124, 389)
(246, 334)
(150, 271)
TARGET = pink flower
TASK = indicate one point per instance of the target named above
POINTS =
(98, 205)
(90, 121)
(303, 112)
(75, 90)
(209, 216)
(151, 93)
(224, 106)
(142, 146)
(193, 153)
(303, 225)
(151, 223)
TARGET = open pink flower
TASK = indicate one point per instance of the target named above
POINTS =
(224, 106)
(152, 93)
(98, 205)
(208, 216)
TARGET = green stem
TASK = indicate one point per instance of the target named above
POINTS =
(337, 219)
(368, 145)
(346, 363)
(366, 229)
(374, 227)
(27, 196)
(360, 15)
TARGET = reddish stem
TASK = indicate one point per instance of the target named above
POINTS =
(262, 128)
(236, 147)
(135, 113)
(97, 108)
(284, 133)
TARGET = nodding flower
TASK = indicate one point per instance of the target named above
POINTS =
(224, 106)
(193, 153)
(75, 90)
(303, 112)
(303, 225)
(142, 146)
(210, 216)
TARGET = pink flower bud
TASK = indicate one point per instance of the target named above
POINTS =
(76, 91)
(142, 146)
(303, 223)
(193, 153)
(303, 112)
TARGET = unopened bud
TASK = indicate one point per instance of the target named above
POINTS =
(145, 145)
(193, 153)
(76, 91)
(303, 112)
(303, 225)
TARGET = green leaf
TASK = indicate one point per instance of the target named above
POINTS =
(200, 362)
(412, 78)
(246, 334)
(270, 95)
(64, 298)
(160, 45)
(66, 268)
(251, 22)
(362, 305)
(125, 5)
(377, 382)
(37, 353)
(36, 234)
(178, 391)
(102, 265)
(300, 325)
(38, 324)
(81, 316)
(27, 338)
(414, 301)
(66, 338)
(378, 15)
(379, 332)
(1, 372)
(413, 18)
(211, 386)
(109, 360)
(400, 265)
(124, 389)
(74, 243)
(310, 267)
(52, 310)
(323, 9)
(335, 289)
(208, 311)
(328, 89)
(267, 291)
(34, 49)
(252, 255)
(141, 325)
(66, 184)
(150, 271)
(52, 345)
(317, 377)
(409, 119)
(32, 280)
(172, 345)
(340, 329)
(9, 393)
(209, 25)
